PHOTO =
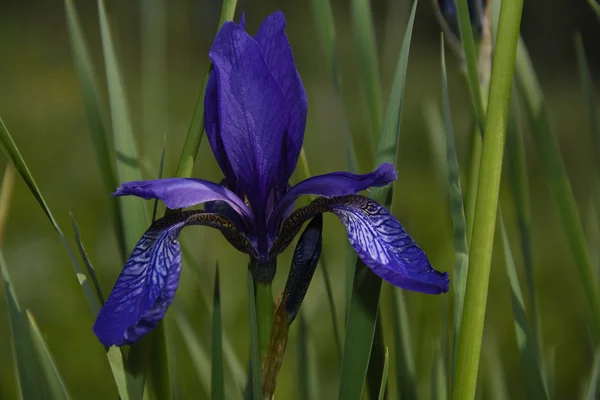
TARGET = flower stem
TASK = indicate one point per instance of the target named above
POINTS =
(264, 315)
(471, 332)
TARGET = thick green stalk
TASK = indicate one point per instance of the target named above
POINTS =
(196, 129)
(264, 315)
(471, 332)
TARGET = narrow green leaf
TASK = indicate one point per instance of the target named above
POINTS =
(375, 370)
(86, 261)
(196, 129)
(461, 250)
(133, 210)
(307, 366)
(555, 173)
(497, 383)
(480, 250)
(526, 339)
(437, 140)
(218, 380)
(384, 377)
(96, 116)
(364, 304)
(406, 381)
(439, 390)
(161, 166)
(28, 372)
(595, 7)
(255, 366)
(58, 389)
(369, 66)
(592, 389)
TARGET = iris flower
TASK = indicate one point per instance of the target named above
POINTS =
(255, 115)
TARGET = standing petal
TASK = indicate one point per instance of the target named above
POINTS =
(250, 101)
(145, 289)
(333, 184)
(278, 54)
(378, 238)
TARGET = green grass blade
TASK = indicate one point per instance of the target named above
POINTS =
(196, 129)
(161, 166)
(217, 378)
(362, 315)
(57, 388)
(255, 366)
(439, 389)
(198, 354)
(405, 364)
(96, 116)
(526, 339)
(384, 377)
(595, 7)
(461, 250)
(86, 261)
(376, 362)
(555, 173)
(496, 379)
(437, 140)
(592, 388)
(367, 61)
(28, 372)
(133, 210)
(307, 367)
(480, 251)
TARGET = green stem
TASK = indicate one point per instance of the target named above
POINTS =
(471, 332)
(264, 315)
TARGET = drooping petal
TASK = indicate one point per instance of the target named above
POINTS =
(250, 101)
(378, 238)
(333, 184)
(304, 262)
(147, 284)
(183, 192)
(278, 54)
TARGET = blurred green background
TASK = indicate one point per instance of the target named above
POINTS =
(163, 56)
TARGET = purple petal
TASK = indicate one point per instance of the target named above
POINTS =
(144, 290)
(333, 184)
(383, 245)
(183, 192)
(249, 106)
(278, 54)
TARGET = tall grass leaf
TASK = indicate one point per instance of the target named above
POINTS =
(592, 388)
(526, 339)
(28, 372)
(364, 304)
(437, 141)
(133, 210)
(368, 63)
(198, 353)
(196, 129)
(595, 7)
(488, 188)
(307, 366)
(6, 191)
(439, 389)
(57, 388)
(461, 250)
(86, 261)
(555, 173)
(161, 166)
(375, 370)
(384, 376)
(255, 365)
(96, 116)
(497, 385)
(406, 381)
(217, 379)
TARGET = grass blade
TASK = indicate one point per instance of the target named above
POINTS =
(595, 7)
(198, 354)
(95, 115)
(384, 377)
(196, 129)
(555, 173)
(307, 367)
(405, 364)
(28, 372)
(362, 315)
(461, 250)
(480, 255)
(592, 389)
(526, 339)
(218, 381)
(86, 261)
(57, 387)
(255, 369)
(367, 61)
(439, 390)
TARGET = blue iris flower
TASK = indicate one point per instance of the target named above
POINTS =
(255, 115)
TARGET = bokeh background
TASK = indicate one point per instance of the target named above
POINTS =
(163, 57)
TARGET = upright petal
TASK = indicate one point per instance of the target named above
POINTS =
(183, 192)
(333, 184)
(250, 101)
(278, 54)
(377, 237)
(145, 289)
